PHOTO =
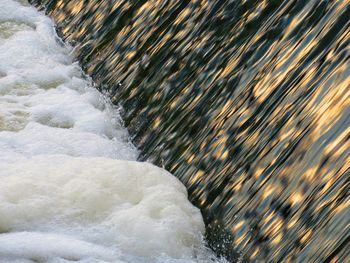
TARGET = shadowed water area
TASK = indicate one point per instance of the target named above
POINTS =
(246, 102)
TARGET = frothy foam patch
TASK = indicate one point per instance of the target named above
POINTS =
(70, 187)
(134, 207)
(58, 248)
(46, 102)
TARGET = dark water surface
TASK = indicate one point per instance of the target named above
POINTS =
(246, 102)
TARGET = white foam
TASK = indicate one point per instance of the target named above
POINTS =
(71, 189)
(129, 206)
(58, 248)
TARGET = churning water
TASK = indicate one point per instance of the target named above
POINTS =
(70, 188)
(246, 102)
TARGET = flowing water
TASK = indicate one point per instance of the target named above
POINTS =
(246, 102)
(70, 188)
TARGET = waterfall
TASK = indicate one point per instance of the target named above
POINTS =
(246, 102)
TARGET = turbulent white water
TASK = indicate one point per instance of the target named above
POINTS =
(70, 187)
